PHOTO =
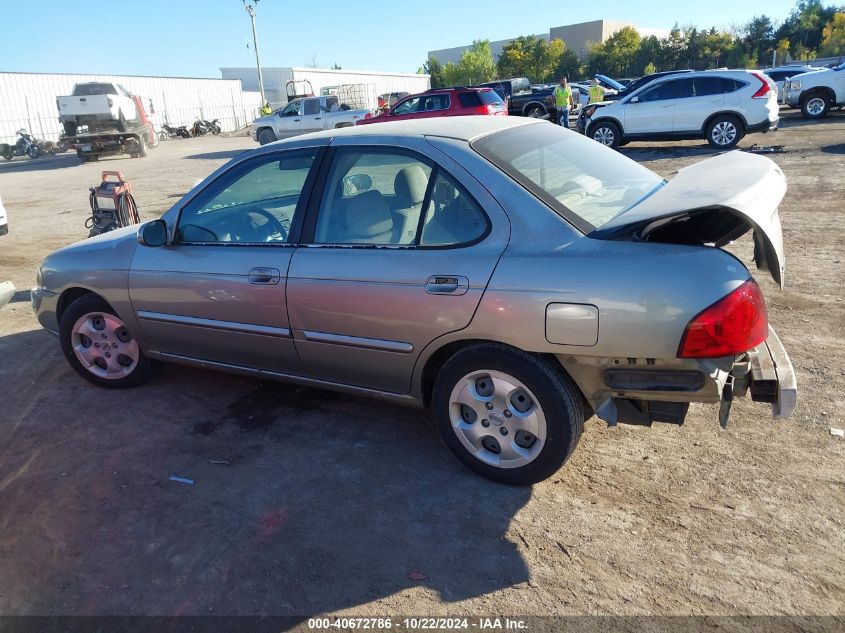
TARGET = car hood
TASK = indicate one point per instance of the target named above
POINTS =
(713, 203)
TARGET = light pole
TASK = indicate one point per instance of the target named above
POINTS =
(250, 8)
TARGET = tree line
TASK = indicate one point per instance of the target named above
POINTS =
(811, 30)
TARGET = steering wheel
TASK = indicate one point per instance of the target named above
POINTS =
(273, 224)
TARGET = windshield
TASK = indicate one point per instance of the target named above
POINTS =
(582, 180)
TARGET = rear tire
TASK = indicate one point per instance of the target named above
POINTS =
(90, 320)
(725, 131)
(34, 151)
(266, 136)
(523, 419)
(607, 133)
(815, 106)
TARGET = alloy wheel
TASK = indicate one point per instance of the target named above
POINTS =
(604, 135)
(497, 419)
(103, 345)
(724, 133)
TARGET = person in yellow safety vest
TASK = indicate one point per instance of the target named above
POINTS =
(596, 91)
(265, 109)
(563, 101)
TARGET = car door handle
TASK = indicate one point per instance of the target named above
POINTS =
(317, 118)
(446, 285)
(297, 120)
(264, 276)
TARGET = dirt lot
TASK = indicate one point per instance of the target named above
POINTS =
(329, 503)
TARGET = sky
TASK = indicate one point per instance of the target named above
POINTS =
(194, 38)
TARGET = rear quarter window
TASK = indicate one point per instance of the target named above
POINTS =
(731, 85)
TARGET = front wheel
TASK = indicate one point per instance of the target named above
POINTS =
(815, 106)
(99, 346)
(606, 133)
(34, 151)
(507, 415)
(724, 132)
(266, 136)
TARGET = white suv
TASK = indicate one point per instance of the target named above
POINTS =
(720, 106)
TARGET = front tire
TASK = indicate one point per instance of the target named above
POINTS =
(34, 151)
(724, 132)
(606, 133)
(99, 347)
(815, 106)
(535, 112)
(506, 414)
(266, 136)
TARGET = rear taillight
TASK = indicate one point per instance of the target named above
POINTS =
(485, 109)
(764, 90)
(734, 324)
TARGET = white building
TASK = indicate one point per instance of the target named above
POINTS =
(276, 80)
(28, 100)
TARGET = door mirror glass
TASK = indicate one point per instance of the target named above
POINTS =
(357, 183)
(153, 233)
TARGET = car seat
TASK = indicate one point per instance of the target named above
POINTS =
(409, 185)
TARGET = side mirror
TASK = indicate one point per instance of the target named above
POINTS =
(634, 100)
(153, 234)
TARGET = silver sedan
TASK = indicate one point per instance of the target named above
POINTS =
(514, 276)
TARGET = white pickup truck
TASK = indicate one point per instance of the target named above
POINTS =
(98, 105)
(301, 116)
(818, 91)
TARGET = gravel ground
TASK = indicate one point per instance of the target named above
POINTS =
(324, 503)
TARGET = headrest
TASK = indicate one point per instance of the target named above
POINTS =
(367, 214)
(410, 184)
(444, 192)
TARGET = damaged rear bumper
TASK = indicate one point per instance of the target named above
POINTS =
(768, 375)
(643, 391)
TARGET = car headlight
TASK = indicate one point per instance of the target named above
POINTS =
(793, 85)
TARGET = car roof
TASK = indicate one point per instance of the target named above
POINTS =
(465, 128)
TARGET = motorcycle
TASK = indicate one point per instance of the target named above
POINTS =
(26, 146)
(179, 131)
(202, 127)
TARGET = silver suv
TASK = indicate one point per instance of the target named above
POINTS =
(720, 106)
(817, 92)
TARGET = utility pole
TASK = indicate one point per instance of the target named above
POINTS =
(250, 9)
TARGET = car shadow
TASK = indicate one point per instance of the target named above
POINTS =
(42, 163)
(302, 501)
(838, 148)
(21, 296)
(794, 118)
(229, 153)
